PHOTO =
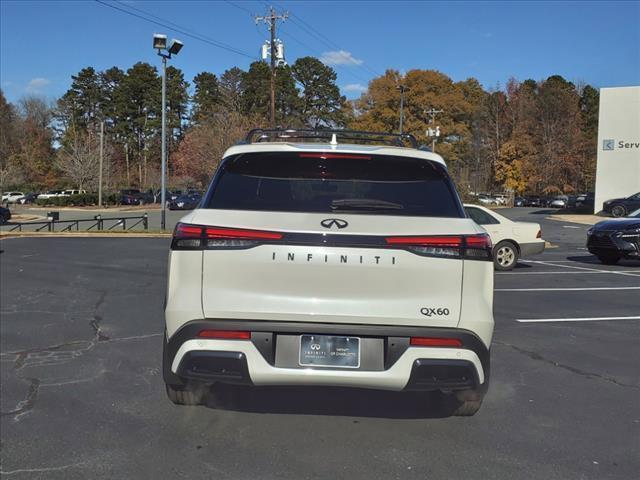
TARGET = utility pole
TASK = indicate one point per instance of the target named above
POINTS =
(432, 113)
(101, 160)
(402, 89)
(271, 19)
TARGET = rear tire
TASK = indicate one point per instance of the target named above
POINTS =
(609, 259)
(469, 402)
(618, 211)
(187, 395)
(505, 256)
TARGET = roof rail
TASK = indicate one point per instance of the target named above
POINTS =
(258, 135)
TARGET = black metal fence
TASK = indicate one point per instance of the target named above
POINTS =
(96, 223)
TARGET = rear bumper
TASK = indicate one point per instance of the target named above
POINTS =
(189, 358)
(533, 248)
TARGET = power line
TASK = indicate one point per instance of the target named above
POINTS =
(176, 28)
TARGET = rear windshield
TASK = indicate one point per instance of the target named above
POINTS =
(333, 182)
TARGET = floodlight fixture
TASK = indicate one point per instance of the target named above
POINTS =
(159, 41)
(176, 46)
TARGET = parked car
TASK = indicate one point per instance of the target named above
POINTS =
(135, 197)
(533, 201)
(5, 215)
(485, 199)
(28, 198)
(585, 201)
(511, 240)
(501, 198)
(69, 193)
(186, 202)
(50, 194)
(611, 240)
(561, 201)
(11, 197)
(260, 276)
(519, 202)
(619, 207)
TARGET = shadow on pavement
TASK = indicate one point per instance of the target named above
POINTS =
(332, 402)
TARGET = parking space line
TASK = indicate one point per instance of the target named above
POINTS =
(615, 272)
(583, 319)
(569, 289)
(563, 272)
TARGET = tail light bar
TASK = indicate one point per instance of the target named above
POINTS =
(475, 247)
(198, 237)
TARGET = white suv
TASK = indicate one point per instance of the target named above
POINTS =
(332, 264)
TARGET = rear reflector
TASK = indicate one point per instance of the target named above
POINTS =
(225, 334)
(435, 342)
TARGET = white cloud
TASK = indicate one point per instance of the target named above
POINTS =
(354, 87)
(339, 57)
(35, 85)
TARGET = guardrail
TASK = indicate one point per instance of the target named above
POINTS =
(97, 223)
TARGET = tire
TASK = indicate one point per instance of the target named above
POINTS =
(609, 259)
(187, 395)
(619, 211)
(505, 256)
(464, 403)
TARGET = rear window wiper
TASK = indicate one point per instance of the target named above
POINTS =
(364, 204)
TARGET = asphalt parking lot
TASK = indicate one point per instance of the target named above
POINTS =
(82, 396)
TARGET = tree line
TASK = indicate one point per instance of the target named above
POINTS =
(530, 136)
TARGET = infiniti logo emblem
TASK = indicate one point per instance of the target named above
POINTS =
(331, 222)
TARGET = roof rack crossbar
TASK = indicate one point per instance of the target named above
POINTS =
(258, 135)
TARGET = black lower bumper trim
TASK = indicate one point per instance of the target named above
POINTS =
(206, 366)
(431, 374)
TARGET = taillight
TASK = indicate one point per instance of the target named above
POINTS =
(197, 237)
(225, 334)
(456, 246)
(435, 342)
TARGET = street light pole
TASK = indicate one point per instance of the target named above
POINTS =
(160, 44)
(163, 182)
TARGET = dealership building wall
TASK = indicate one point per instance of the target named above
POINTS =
(618, 169)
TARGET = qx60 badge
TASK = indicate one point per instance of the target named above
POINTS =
(334, 222)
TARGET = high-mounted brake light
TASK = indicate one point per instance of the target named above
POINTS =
(225, 334)
(326, 156)
(435, 342)
(198, 237)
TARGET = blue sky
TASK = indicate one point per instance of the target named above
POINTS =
(42, 43)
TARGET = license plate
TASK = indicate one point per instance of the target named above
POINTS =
(329, 351)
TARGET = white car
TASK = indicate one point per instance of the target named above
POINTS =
(68, 193)
(329, 264)
(487, 200)
(11, 197)
(511, 240)
(50, 194)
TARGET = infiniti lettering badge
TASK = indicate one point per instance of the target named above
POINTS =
(331, 222)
